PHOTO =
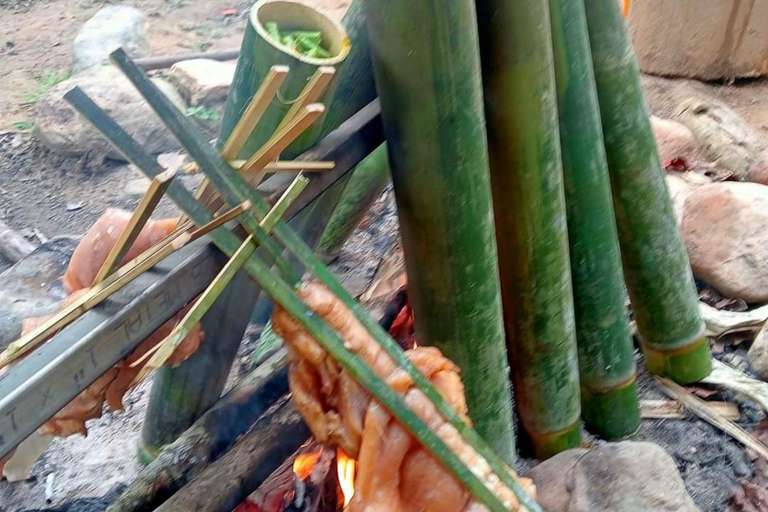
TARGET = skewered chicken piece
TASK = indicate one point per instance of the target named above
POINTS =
(86, 261)
(94, 247)
(396, 474)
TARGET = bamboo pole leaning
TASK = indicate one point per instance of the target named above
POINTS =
(225, 178)
(656, 266)
(606, 360)
(364, 187)
(432, 109)
(529, 205)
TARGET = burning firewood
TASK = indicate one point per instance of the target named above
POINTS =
(395, 472)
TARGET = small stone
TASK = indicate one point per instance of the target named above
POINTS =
(175, 161)
(725, 229)
(113, 27)
(203, 81)
(614, 477)
(137, 187)
(673, 140)
(65, 132)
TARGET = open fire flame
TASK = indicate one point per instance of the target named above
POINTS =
(346, 467)
(304, 463)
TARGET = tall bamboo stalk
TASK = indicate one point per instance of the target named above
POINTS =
(656, 267)
(606, 363)
(427, 72)
(365, 186)
(521, 106)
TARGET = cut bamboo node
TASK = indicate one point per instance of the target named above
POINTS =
(683, 365)
(611, 414)
(549, 444)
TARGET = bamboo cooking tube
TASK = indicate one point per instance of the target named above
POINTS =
(526, 175)
(606, 360)
(427, 71)
(259, 52)
(656, 267)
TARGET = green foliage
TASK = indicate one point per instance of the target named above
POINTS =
(305, 43)
(203, 113)
(23, 125)
(45, 83)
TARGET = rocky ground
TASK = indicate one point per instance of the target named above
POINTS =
(56, 178)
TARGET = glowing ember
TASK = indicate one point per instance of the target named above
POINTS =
(304, 463)
(346, 467)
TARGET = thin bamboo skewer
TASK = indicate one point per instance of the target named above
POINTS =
(253, 168)
(315, 88)
(232, 184)
(165, 348)
(251, 117)
(291, 166)
(140, 216)
(254, 111)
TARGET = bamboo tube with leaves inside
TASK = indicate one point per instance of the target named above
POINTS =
(656, 266)
(261, 49)
(427, 72)
(606, 363)
(365, 186)
(521, 107)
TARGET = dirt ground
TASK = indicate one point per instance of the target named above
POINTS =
(42, 195)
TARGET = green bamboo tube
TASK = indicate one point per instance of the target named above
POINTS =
(428, 76)
(259, 52)
(354, 89)
(606, 364)
(355, 85)
(521, 108)
(365, 186)
(656, 267)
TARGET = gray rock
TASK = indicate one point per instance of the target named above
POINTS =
(725, 229)
(114, 26)
(614, 477)
(62, 130)
(203, 81)
(32, 287)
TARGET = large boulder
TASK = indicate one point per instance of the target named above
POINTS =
(62, 130)
(614, 477)
(704, 39)
(114, 26)
(725, 229)
(203, 81)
